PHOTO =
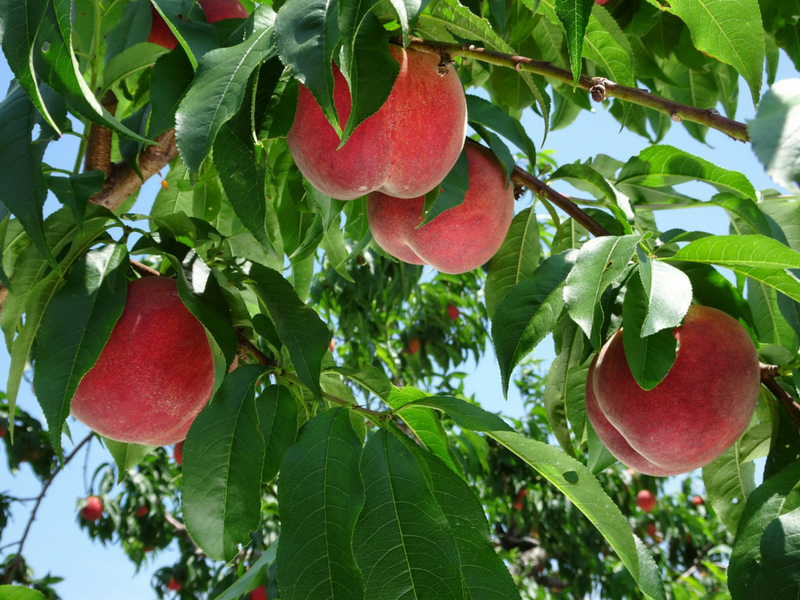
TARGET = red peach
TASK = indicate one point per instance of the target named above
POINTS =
(93, 509)
(259, 593)
(154, 374)
(520, 495)
(173, 585)
(453, 312)
(414, 345)
(405, 149)
(177, 453)
(651, 530)
(700, 408)
(646, 500)
(602, 2)
(697, 501)
(458, 240)
(143, 510)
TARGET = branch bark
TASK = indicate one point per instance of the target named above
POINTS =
(598, 87)
(768, 374)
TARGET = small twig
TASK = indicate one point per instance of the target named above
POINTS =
(123, 181)
(179, 528)
(523, 178)
(697, 559)
(14, 565)
(251, 348)
(144, 270)
(98, 144)
(599, 87)
(768, 374)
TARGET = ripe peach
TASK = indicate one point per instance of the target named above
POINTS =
(700, 408)
(93, 509)
(458, 240)
(177, 453)
(405, 149)
(215, 10)
(259, 593)
(651, 530)
(697, 501)
(154, 374)
(173, 585)
(453, 312)
(646, 500)
(142, 511)
(602, 2)
(414, 345)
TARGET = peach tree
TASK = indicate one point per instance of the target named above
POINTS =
(337, 455)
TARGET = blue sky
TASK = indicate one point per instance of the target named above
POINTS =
(94, 572)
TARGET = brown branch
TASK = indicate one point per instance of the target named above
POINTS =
(179, 528)
(122, 181)
(598, 87)
(523, 178)
(144, 270)
(14, 565)
(768, 374)
(98, 144)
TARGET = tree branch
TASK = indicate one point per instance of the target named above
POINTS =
(523, 178)
(599, 87)
(122, 181)
(98, 144)
(14, 565)
(768, 374)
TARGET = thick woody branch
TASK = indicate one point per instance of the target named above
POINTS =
(768, 374)
(599, 87)
(122, 181)
(98, 144)
(524, 179)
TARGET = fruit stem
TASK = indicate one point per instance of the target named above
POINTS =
(768, 373)
(599, 88)
(15, 564)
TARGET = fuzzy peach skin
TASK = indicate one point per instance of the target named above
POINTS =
(458, 240)
(404, 150)
(154, 374)
(702, 406)
(612, 438)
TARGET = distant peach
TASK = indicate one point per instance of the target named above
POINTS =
(93, 509)
(646, 500)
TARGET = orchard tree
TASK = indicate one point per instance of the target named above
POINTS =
(278, 327)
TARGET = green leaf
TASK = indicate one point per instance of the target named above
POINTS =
(126, 456)
(485, 575)
(74, 191)
(586, 494)
(408, 12)
(74, 329)
(277, 422)
(366, 63)
(516, 259)
(564, 387)
(17, 592)
(765, 504)
(450, 192)
(771, 325)
(276, 101)
(254, 577)
(710, 288)
(731, 32)
(130, 61)
(22, 185)
(320, 495)
(773, 133)
(529, 312)
(747, 217)
(306, 36)
(298, 326)
(414, 532)
(649, 357)
(223, 458)
(423, 422)
(663, 166)
(217, 92)
(172, 76)
(730, 478)
(132, 28)
(465, 24)
(668, 292)
(600, 261)
(574, 16)
(242, 167)
(585, 177)
(607, 46)
(779, 578)
(487, 114)
(734, 251)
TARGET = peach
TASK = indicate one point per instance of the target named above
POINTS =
(93, 509)
(702, 406)
(154, 374)
(646, 500)
(405, 149)
(177, 453)
(458, 240)
(214, 10)
(453, 312)
(414, 345)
